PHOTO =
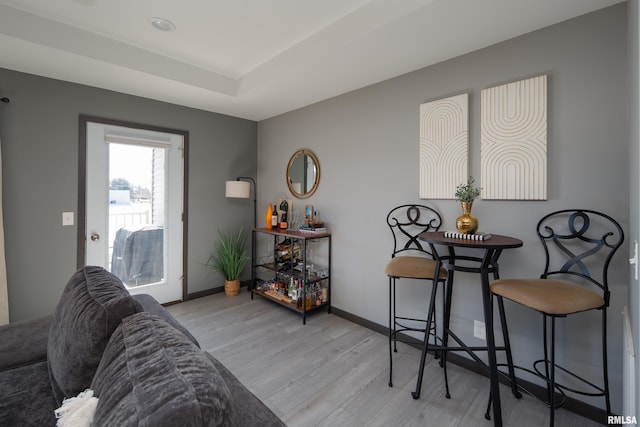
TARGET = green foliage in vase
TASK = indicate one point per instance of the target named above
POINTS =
(229, 256)
(468, 192)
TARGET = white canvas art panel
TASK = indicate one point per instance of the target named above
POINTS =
(513, 141)
(444, 146)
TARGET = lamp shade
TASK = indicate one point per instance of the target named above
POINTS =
(238, 189)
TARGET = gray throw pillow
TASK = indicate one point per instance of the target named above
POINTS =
(91, 307)
(153, 375)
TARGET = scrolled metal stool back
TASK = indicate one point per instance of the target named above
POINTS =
(407, 222)
(580, 243)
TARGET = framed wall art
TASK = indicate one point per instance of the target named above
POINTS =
(308, 214)
(444, 146)
(513, 140)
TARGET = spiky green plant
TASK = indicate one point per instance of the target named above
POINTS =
(229, 256)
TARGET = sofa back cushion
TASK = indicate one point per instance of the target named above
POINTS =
(153, 375)
(91, 307)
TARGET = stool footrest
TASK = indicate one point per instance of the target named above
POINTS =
(600, 391)
(560, 389)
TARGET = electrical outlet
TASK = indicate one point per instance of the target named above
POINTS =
(479, 330)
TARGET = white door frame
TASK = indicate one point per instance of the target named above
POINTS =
(82, 188)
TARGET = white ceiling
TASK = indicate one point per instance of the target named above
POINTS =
(256, 58)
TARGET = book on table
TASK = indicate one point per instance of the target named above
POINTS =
(305, 228)
(464, 236)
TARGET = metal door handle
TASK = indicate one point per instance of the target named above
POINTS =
(95, 237)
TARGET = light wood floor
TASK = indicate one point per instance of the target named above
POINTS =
(332, 372)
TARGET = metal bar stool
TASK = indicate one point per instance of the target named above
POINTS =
(579, 245)
(410, 260)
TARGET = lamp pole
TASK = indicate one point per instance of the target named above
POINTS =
(255, 195)
(255, 224)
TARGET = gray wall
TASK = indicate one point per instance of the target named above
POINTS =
(39, 136)
(367, 144)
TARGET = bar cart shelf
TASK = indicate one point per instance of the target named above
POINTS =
(286, 275)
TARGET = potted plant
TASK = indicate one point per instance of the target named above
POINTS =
(229, 258)
(466, 194)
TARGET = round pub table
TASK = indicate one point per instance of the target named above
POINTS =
(484, 263)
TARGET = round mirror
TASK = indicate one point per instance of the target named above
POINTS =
(303, 174)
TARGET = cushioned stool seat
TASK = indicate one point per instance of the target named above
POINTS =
(413, 267)
(548, 296)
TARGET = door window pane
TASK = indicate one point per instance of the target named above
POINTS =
(136, 213)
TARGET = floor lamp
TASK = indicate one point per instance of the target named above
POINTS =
(241, 189)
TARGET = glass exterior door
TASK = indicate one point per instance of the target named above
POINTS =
(134, 208)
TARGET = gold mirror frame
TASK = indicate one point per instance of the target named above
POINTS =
(303, 159)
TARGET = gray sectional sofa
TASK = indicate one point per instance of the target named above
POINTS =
(142, 365)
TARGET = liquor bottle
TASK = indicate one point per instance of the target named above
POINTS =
(290, 292)
(267, 218)
(318, 296)
(300, 294)
(274, 217)
(308, 296)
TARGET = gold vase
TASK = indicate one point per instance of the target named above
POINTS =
(467, 223)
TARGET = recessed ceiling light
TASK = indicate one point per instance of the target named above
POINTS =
(162, 24)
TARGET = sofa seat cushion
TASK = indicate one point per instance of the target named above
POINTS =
(26, 398)
(24, 342)
(153, 375)
(92, 305)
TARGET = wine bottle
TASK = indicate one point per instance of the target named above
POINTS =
(274, 217)
(284, 208)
